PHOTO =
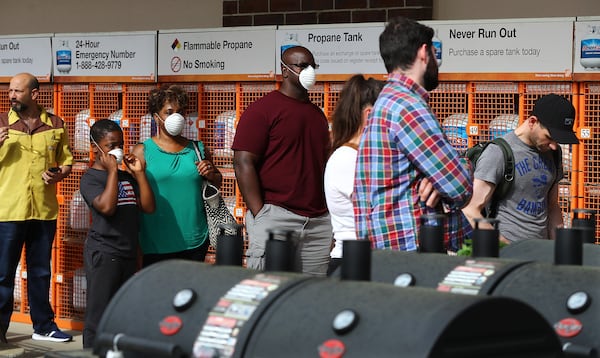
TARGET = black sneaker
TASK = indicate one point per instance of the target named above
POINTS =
(52, 336)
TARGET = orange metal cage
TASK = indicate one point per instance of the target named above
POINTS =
(587, 163)
(469, 112)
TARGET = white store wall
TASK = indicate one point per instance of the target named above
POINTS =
(38, 16)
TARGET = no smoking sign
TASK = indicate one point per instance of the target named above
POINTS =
(175, 64)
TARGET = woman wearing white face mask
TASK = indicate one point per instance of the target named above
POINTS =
(178, 228)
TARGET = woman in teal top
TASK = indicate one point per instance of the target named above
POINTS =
(177, 229)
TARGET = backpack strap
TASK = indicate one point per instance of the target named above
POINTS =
(509, 167)
(503, 187)
(557, 157)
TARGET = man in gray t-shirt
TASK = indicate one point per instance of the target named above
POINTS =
(530, 210)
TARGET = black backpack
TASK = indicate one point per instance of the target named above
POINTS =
(504, 186)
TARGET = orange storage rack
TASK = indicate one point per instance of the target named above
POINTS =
(450, 102)
(474, 112)
(491, 101)
(586, 161)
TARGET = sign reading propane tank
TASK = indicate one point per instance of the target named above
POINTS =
(232, 54)
(586, 48)
(338, 50)
(25, 54)
(523, 49)
(105, 57)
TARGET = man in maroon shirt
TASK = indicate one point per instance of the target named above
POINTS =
(280, 150)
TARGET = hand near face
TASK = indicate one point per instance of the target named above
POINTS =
(133, 163)
(108, 161)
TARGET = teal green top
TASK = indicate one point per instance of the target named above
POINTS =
(179, 222)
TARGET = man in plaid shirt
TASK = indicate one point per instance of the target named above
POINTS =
(406, 168)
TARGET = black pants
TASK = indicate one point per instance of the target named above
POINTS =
(333, 265)
(105, 274)
(197, 254)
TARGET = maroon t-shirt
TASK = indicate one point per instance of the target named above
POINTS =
(292, 139)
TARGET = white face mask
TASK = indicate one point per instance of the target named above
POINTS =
(117, 152)
(307, 76)
(174, 123)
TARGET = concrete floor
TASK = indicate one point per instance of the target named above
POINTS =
(21, 345)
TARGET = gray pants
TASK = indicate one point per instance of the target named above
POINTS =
(312, 238)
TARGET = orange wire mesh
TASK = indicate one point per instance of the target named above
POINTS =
(449, 102)
(589, 165)
(214, 110)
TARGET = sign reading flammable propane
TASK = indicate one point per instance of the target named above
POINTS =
(25, 54)
(523, 49)
(217, 54)
(107, 57)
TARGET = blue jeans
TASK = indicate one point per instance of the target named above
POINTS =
(37, 236)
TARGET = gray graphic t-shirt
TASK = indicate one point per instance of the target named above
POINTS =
(523, 213)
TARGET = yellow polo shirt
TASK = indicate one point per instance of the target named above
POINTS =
(24, 156)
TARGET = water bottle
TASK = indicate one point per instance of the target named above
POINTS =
(116, 117)
(79, 213)
(224, 133)
(82, 131)
(79, 290)
(503, 124)
(190, 130)
(147, 127)
(455, 128)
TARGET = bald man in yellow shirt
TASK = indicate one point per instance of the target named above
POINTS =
(34, 156)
